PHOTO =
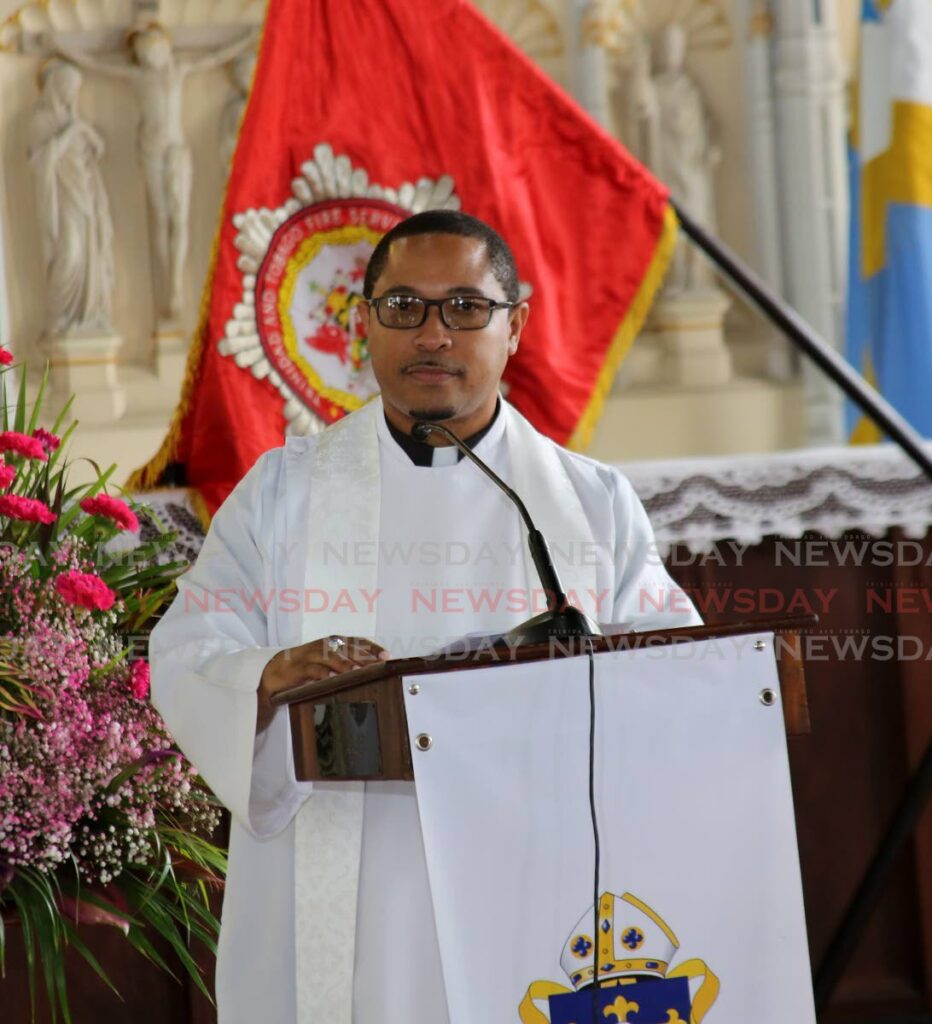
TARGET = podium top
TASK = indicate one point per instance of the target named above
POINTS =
(501, 653)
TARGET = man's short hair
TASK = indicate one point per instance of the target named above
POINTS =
(448, 222)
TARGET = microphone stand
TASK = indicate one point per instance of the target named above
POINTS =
(561, 618)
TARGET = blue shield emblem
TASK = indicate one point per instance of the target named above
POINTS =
(651, 1001)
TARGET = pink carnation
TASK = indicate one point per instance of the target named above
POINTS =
(111, 508)
(139, 682)
(6, 475)
(22, 444)
(47, 439)
(6, 356)
(30, 509)
(85, 589)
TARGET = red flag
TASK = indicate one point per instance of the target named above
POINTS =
(360, 114)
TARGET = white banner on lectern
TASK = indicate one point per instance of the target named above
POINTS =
(701, 913)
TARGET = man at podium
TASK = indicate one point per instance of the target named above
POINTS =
(361, 540)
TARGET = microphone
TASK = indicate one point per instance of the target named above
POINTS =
(561, 619)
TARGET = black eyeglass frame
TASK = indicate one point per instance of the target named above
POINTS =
(439, 303)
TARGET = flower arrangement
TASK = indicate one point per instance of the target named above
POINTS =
(101, 818)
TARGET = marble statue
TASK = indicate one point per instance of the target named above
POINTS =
(157, 73)
(74, 214)
(640, 110)
(241, 76)
(673, 135)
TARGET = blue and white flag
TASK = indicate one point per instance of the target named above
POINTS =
(889, 315)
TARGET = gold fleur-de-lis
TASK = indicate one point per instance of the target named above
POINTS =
(673, 1017)
(621, 1008)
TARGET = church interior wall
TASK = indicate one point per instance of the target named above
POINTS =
(680, 406)
(112, 110)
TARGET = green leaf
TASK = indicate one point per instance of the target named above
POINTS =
(75, 940)
(196, 848)
(135, 766)
(4, 414)
(19, 415)
(34, 894)
(38, 400)
(60, 419)
(59, 454)
(138, 939)
(162, 921)
(52, 957)
(25, 920)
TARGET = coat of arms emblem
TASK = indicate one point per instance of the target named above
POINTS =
(633, 949)
(302, 268)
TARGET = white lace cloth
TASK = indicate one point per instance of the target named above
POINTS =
(699, 502)
(174, 511)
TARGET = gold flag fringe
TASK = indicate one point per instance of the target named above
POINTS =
(199, 505)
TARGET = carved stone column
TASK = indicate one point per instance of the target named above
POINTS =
(687, 329)
(587, 73)
(760, 124)
(813, 186)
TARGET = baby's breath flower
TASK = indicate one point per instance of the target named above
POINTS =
(57, 804)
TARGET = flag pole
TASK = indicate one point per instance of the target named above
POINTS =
(806, 338)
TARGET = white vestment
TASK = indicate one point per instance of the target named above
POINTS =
(343, 533)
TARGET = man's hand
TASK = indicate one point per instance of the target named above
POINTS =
(315, 660)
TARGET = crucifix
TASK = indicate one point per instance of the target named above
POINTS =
(156, 69)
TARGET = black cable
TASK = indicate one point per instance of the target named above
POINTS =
(596, 981)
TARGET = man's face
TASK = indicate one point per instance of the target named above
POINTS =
(432, 372)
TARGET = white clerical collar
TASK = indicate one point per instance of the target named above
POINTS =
(416, 452)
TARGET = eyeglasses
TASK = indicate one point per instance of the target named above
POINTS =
(459, 312)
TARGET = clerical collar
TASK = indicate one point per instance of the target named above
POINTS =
(423, 454)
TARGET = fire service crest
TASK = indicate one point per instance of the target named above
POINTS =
(297, 323)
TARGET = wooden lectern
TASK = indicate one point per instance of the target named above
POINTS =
(353, 726)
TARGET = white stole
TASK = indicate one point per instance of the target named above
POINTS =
(344, 500)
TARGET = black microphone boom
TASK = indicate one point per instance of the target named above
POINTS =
(561, 619)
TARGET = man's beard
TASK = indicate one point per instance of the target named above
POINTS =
(432, 415)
